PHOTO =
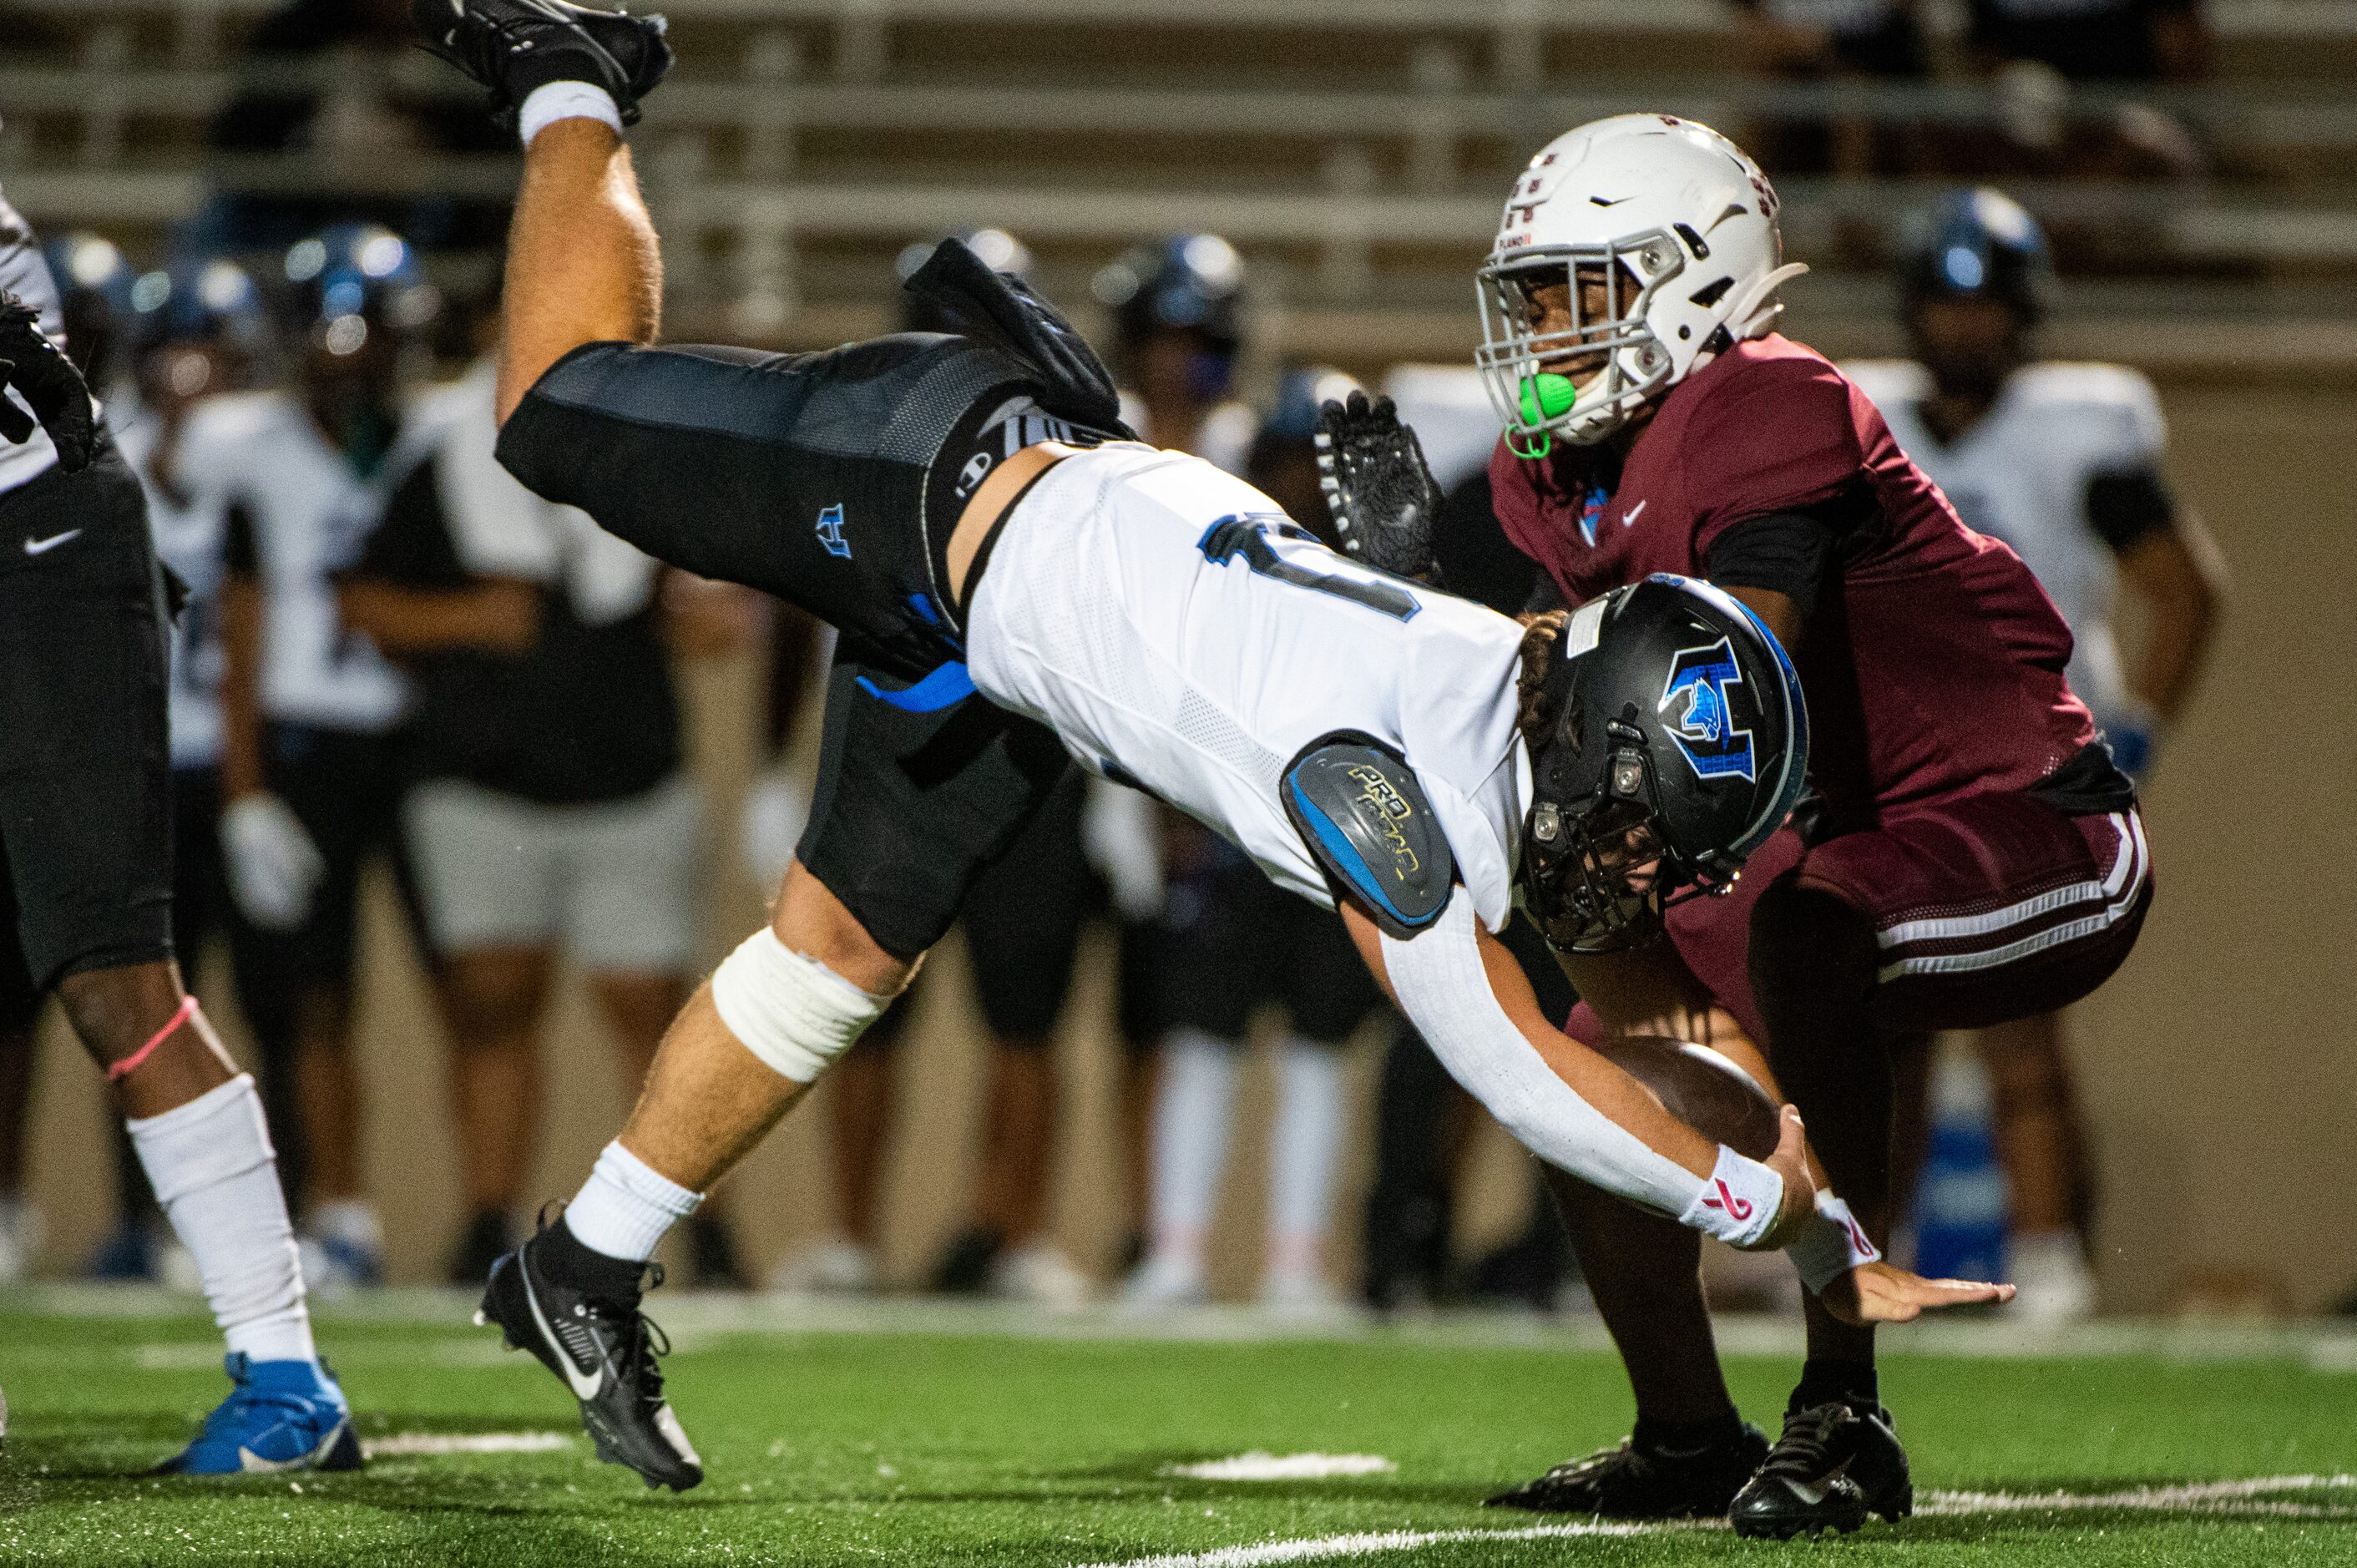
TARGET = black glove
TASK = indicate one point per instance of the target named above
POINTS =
(1381, 494)
(48, 380)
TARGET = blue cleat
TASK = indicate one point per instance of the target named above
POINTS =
(283, 1415)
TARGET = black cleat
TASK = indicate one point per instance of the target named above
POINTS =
(514, 46)
(1833, 1466)
(1630, 1482)
(605, 1350)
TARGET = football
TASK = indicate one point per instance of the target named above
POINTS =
(1701, 1088)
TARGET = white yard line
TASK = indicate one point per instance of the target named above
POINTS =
(1257, 1466)
(405, 1444)
(2245, 1498)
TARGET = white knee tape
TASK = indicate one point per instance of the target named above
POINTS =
(793, 1012)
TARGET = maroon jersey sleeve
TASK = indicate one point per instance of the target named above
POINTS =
(1777, 437)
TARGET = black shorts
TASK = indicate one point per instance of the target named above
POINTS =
(829, 480)
(912, 807)
(1236, 941)
(85, 764)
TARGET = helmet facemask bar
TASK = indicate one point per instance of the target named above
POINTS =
(1515, 354)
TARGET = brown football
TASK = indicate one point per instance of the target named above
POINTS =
(1700, 1087)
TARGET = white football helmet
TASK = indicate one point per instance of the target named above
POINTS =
(1679, 226)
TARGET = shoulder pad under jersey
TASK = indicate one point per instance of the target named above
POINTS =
(1358, 806)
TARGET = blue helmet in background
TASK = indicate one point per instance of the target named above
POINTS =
(351, 277)
(1189, 282)
(197, 301)
(1978, 244)
(94, 281)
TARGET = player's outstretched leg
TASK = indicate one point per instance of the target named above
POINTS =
(578, 1310)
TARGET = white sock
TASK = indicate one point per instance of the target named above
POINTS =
(625, 1207)
(216, 1176)
(1305, 1138)
(554, 100)
(1192, 1110)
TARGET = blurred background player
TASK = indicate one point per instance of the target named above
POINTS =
(2063, 462)
(85, 840)
(551, 816)
(311, 755)
(1234, 943)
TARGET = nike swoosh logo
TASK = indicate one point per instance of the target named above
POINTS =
(253, 1463)
(1599, 201)
(42, 546)
(1631, 515)
(585, 1387)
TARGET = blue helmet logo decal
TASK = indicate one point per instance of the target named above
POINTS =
(830, 532)
(1695, 709)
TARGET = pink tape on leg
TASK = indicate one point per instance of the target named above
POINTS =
(118, 1071)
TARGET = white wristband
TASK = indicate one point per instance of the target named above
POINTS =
(1738, 1203)
(1830, 1245)
(556, 100)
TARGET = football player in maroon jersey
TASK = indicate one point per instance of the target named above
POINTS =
(1968, 852)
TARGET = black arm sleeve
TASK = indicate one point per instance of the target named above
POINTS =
(1794, 553)
(1786, 553)
(2126, 506)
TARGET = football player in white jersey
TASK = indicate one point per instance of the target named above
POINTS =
(2063, 462)
(1372, 744)
(310, 710)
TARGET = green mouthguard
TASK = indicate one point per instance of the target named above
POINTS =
(1546, 396)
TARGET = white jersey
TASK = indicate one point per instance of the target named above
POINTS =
(190, 529)
(2020, 475)
(1200, 659)
(304, 512)
(25, 274)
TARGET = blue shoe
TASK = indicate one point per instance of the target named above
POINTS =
(283, 1415)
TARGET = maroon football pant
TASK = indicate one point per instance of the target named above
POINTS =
(1980, 910)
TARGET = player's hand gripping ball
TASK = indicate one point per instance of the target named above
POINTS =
(1377, 485)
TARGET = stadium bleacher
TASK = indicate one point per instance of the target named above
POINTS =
(1362, 180)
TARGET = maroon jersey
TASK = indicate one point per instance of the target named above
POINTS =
(1932, 668)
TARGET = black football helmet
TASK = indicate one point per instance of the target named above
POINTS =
(1670, 741)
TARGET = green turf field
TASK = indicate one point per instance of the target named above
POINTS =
(920, 1438)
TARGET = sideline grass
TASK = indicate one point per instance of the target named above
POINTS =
(960, 1448)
